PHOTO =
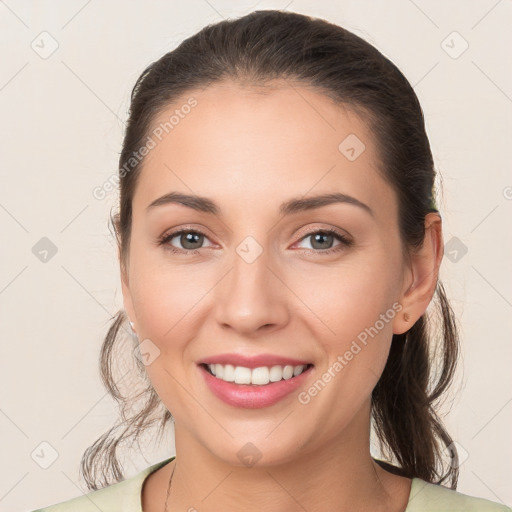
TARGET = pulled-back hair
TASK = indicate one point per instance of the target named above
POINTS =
(252, 50)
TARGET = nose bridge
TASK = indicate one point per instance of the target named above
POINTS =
(251, 295)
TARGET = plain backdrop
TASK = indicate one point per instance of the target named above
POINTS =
(66, 75)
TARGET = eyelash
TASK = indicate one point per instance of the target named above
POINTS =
(345, 242)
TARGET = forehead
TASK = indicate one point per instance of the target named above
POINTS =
(264, 144)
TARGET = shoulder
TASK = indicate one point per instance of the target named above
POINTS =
(124, 495)
(427, 497)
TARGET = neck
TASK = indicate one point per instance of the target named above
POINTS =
(338, 475)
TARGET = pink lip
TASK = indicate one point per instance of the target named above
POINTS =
(252, 396)
(253, 361)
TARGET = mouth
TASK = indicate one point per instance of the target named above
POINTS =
(260, 376)
(254, 388)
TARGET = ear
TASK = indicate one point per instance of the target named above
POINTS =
(127, 297)
(421, 275)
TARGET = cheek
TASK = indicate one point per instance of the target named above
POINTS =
(350, 297)
(164, 303)
(165, 290)
(163, 299)
(355, 306)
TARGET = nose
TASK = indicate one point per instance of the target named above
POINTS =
(252, 297)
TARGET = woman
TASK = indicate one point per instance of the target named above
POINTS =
(279, 245)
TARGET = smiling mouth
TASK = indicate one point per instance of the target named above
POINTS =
(260, 376)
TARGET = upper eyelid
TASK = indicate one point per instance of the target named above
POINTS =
(171, 233)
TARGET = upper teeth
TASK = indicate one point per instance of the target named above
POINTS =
(260, 376)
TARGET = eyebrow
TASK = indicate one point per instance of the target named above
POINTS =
(294, 205)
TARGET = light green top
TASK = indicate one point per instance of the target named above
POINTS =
(125, 496)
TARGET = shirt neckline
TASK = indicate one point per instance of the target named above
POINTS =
(415, 482)
(147, 473)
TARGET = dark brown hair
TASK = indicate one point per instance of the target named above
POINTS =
(252, 50)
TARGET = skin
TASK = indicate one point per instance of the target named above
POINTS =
(249, 150)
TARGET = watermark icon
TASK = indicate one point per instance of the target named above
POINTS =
(45, 45)
(304, 397)
(458, 454)
(44, 454)
(507, 193)
(146, 352)
(454, 45)
(44, 250)
(249, 455)
(351, 147)
(150, 143)
(455, 249)
(249, 249)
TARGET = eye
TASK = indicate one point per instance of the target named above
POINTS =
(190, 239)
(322, 239)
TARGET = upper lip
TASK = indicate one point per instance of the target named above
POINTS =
(253, 361)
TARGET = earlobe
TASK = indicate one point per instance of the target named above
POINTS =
(424, 271)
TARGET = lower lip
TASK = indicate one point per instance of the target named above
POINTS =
(252, 396)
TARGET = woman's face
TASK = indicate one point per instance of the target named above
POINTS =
(259, 278)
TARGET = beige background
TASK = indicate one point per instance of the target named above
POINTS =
(62, 122)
